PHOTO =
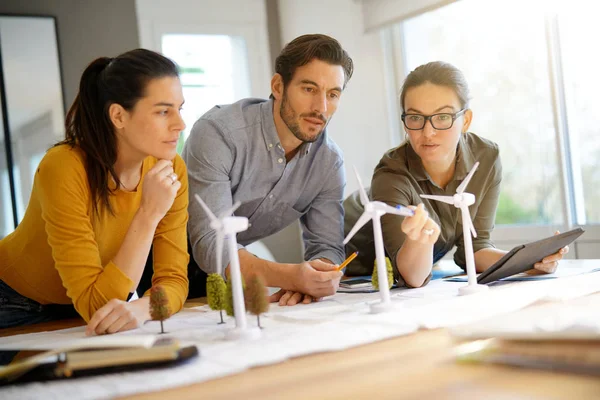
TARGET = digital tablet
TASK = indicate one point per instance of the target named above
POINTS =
(523, 257)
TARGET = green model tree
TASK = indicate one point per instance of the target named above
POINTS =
(159, 305)
(256, 297)
(215, 292)
(229, 296)
(390, 274)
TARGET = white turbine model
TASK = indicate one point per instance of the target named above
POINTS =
(374, 210)
(463, 200)
(227, 226)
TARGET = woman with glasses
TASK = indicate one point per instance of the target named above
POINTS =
(437, 155)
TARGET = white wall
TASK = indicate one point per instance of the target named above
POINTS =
(86, 30)
(360, 126)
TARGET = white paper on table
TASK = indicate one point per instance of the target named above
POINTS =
(437, 289)
(577, 319)
(574, 286)
(338, 322)
(73, 338)
(281, 340)
(482, 305)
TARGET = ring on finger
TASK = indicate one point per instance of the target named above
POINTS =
(428, 232)
(173, 177)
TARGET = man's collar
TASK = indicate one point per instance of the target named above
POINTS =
(268, 125)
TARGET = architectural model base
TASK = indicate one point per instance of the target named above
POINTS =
(471, 289)
(249, 333)
(380, 307)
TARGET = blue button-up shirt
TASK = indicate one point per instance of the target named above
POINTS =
(234, 154)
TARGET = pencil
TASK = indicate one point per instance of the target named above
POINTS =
(347, 261)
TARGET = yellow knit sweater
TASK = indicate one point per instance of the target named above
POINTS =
(61, 252)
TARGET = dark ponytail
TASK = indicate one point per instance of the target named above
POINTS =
(121, 80)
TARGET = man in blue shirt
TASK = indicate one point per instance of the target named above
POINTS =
(274, 156)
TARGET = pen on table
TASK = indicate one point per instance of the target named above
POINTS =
(347, 261)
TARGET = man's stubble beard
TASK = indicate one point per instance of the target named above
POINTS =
(290, 119)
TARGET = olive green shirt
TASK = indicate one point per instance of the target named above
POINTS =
(400, 178)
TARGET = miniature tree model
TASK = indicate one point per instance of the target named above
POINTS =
(390, 274)
(159, 305)
(215, 292)
(256, 297)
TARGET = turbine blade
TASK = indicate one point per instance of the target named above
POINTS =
(364, 218)
(220, 239)
(205, 207)
(473, 231)
(445, 199)
(230, 211)
(465, 209)
(399, 210)
(364, 199)
(461, 188)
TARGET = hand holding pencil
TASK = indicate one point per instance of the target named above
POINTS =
(347, 261)
(308, 294)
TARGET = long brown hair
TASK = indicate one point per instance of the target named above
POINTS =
(121, 80)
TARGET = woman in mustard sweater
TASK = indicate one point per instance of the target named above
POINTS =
(100, 199)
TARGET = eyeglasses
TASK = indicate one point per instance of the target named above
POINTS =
(441, 121)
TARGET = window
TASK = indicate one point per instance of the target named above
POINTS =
(580, 60)
(505, 49)
(213, 71)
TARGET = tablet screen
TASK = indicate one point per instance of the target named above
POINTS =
(523, 257)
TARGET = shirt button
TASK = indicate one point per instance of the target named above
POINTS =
(280, 160)
(270, 145)
(270, 196)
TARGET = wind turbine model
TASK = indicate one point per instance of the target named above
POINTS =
(374, 210)
(463, 200)
(227, 226)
